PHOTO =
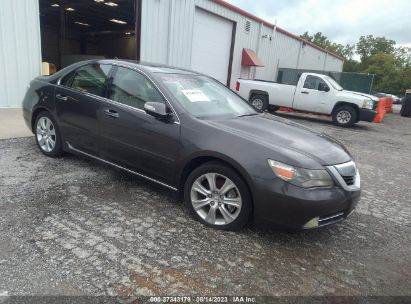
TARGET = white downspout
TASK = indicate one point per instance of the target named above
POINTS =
(170, 31)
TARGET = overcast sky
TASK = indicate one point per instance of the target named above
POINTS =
(342, 21)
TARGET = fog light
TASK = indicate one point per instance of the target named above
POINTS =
(312, 223)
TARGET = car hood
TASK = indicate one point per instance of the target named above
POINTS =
(277, 133)
(362, 95)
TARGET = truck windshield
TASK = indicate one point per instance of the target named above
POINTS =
(204, 97)
(334, 84)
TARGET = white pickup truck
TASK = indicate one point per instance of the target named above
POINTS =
(314, 93)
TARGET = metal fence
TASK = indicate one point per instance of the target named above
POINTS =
(357, 82)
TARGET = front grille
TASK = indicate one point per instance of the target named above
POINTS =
(349, 180)
(347, 171)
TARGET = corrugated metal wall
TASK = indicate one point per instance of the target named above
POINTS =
(167, 29)
(333, 64)
(20, 49)
(311, 59)
(166, 37)
(286, 52)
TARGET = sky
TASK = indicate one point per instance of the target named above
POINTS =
(342, 21)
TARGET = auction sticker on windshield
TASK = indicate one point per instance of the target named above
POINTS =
(195, 95)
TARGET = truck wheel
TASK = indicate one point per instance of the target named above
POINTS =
(259, 102)
(345, 116)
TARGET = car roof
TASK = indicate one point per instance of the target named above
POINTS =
(149, 66)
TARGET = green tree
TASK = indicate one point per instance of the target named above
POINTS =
(391, 76)
(352, 65)
(368, 46)
(346, 51)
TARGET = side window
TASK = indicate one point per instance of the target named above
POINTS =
(133, 89)
(91, 78)
(313, 83)
(66, 80)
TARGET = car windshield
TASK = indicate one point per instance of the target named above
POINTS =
(334, 83)
(204, 97)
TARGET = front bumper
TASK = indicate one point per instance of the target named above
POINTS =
(367, 115)
(294, 207)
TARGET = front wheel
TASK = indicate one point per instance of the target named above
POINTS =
(345, 116)
(218, 197)
(259, 102)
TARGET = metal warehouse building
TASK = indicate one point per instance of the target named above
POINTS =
(209, 36)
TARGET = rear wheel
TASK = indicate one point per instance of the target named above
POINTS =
(47, 135)
(345, 116)
(217, 197)
(259, 102)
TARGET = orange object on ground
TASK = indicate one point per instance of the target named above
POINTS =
(285, 109)
(380, 111)
(388, 104)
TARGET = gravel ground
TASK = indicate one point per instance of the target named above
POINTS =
(70, 226)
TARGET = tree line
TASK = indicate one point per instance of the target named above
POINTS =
(380, 56)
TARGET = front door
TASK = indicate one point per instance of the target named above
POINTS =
(131, 137)
(78, 105)
(310, 98)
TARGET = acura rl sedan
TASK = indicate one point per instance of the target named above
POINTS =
(189, 133)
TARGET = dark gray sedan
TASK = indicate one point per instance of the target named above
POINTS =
(189, 133)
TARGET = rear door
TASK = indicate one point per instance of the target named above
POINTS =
(78, 99)
(309, 98)
(132, 138)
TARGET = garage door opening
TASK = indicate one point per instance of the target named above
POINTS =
(75, 30)
(213, 44)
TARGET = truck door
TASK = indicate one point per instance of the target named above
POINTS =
(313, 96)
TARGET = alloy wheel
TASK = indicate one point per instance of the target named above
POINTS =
(343, 117)
(46, 134)
(257, 103)
(216, 199)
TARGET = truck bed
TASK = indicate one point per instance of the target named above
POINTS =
(279, 94)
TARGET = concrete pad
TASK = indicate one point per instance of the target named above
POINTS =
(12, 123)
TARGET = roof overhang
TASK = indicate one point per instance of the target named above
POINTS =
(250, 58)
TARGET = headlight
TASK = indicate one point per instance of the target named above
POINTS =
(368, 104)
(301, 177)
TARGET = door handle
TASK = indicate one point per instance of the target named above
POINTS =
(111, 113)
(304, 92)
(61, 97)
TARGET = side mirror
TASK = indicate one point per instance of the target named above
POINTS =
(323, 87)
(157, 110)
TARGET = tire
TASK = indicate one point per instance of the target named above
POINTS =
(259, 102)
(46, 128)
(406, 107)
(226, 216)
(345, 116)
